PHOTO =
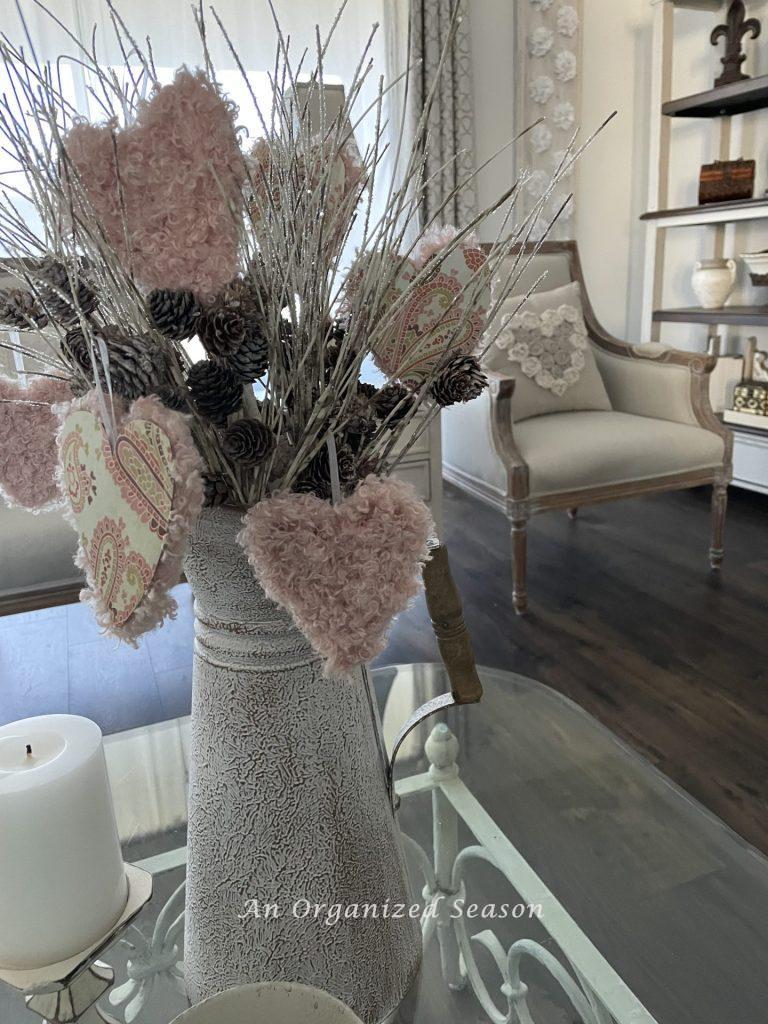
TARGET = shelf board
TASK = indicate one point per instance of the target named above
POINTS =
(736, 98)
(742, 428)
(711, 213)
(753, 316)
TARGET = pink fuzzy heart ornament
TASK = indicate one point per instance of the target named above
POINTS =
(342, 571)
(28, 455)
(170, 183)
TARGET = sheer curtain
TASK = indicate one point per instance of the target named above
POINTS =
(174, 38)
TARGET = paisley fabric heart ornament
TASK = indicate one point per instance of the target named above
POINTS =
(340, 174)
(434, 316)
(169, 185)
(28, 456)
(343, 571)
(132, 501)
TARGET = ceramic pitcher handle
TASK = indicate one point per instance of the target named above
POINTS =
(445, 611)
(732, 268)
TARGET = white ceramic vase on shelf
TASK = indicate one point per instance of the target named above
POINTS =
(288, 803)
(713, 282)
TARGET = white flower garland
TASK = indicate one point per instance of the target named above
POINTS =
(540, 41)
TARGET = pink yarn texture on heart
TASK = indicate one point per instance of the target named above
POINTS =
(343, 572)
(28, 442)
(180, 172)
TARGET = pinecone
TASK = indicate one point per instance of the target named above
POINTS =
(20, 310)
(173, 398)
(57, 296)
(136, 365)
(215, 489)
(461, 380)
(222, 330)
(316, 478)
(393, 400)
(252, 358)
(241, 295)
(216, 390)
(173, 313)
(248, 442)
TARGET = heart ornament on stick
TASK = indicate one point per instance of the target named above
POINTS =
(446, 312)
(28, 428)
(343, 571)
(132, 501)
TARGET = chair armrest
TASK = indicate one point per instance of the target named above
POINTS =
(664, 383)
(500, 390)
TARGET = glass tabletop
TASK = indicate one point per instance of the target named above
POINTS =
(593, 888)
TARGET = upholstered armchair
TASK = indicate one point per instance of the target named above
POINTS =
(642, 423)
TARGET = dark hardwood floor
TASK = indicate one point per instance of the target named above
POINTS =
(627, 621)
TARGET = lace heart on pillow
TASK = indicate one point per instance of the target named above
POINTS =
(549, 347)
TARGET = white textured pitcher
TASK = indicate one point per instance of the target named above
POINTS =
(288, 803)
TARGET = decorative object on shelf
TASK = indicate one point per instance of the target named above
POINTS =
(757, 265)
(256, 273)
(67, 992)
(726, 180)
(53, 773)
(760, 366)
(713, 281)
(270, 1003)
(281, 749)
(736, 27)
(133, 489)
(752, 398)
(28, 452)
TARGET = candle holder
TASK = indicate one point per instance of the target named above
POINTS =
(68, 991)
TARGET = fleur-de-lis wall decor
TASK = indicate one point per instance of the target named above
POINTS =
(736, 27)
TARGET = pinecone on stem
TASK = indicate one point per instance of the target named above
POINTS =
(61, 302)
(20, 310)
(215, 490)
(251, 359)
(316, 478)
(394, 401)
(173, 313)
(248, 442)
(461, 380)
(216, 390)
(222, 330)
(136, 366)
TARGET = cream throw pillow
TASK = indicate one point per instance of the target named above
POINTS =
(530, 399)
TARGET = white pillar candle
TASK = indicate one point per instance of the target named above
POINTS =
(62, 880)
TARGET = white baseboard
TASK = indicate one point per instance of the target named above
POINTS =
(477, 488)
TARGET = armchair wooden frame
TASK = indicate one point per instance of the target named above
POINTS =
(520, 505)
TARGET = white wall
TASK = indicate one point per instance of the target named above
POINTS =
(613, 176)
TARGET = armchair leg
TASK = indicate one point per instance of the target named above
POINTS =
(719, 505)
(519, 563)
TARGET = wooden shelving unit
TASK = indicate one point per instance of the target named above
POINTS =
(720, 106)
(712, 213)
(737, 98)
(749, 316)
